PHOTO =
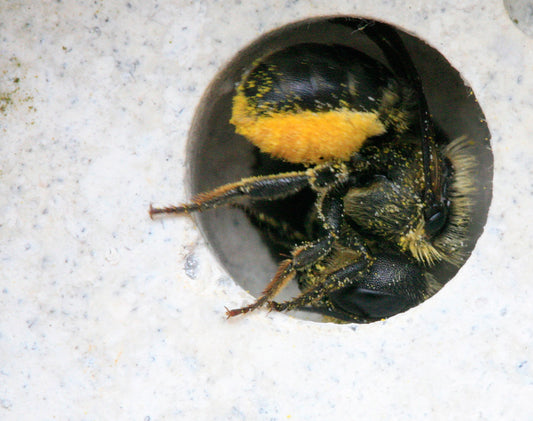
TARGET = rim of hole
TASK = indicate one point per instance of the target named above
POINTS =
(216, 155)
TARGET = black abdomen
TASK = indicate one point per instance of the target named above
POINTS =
(318, 77)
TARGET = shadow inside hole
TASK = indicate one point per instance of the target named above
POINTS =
(217, 155)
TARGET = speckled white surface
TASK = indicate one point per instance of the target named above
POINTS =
(99, 318)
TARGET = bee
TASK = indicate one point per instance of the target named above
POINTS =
(391, 202)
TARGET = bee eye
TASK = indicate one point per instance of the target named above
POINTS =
(436, 218)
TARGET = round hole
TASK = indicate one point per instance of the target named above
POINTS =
(217, 155)
(521, 13)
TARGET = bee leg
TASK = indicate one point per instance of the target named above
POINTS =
(387, 285)
(330, 215)
(269, 187)
(282, 277)
(280, 232)
(305, 255)
(391, 285)
(315, 293)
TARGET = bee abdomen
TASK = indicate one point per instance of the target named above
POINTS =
(311, 103)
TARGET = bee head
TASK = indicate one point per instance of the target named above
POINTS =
(440, 231)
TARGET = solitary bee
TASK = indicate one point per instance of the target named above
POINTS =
(391, 201)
